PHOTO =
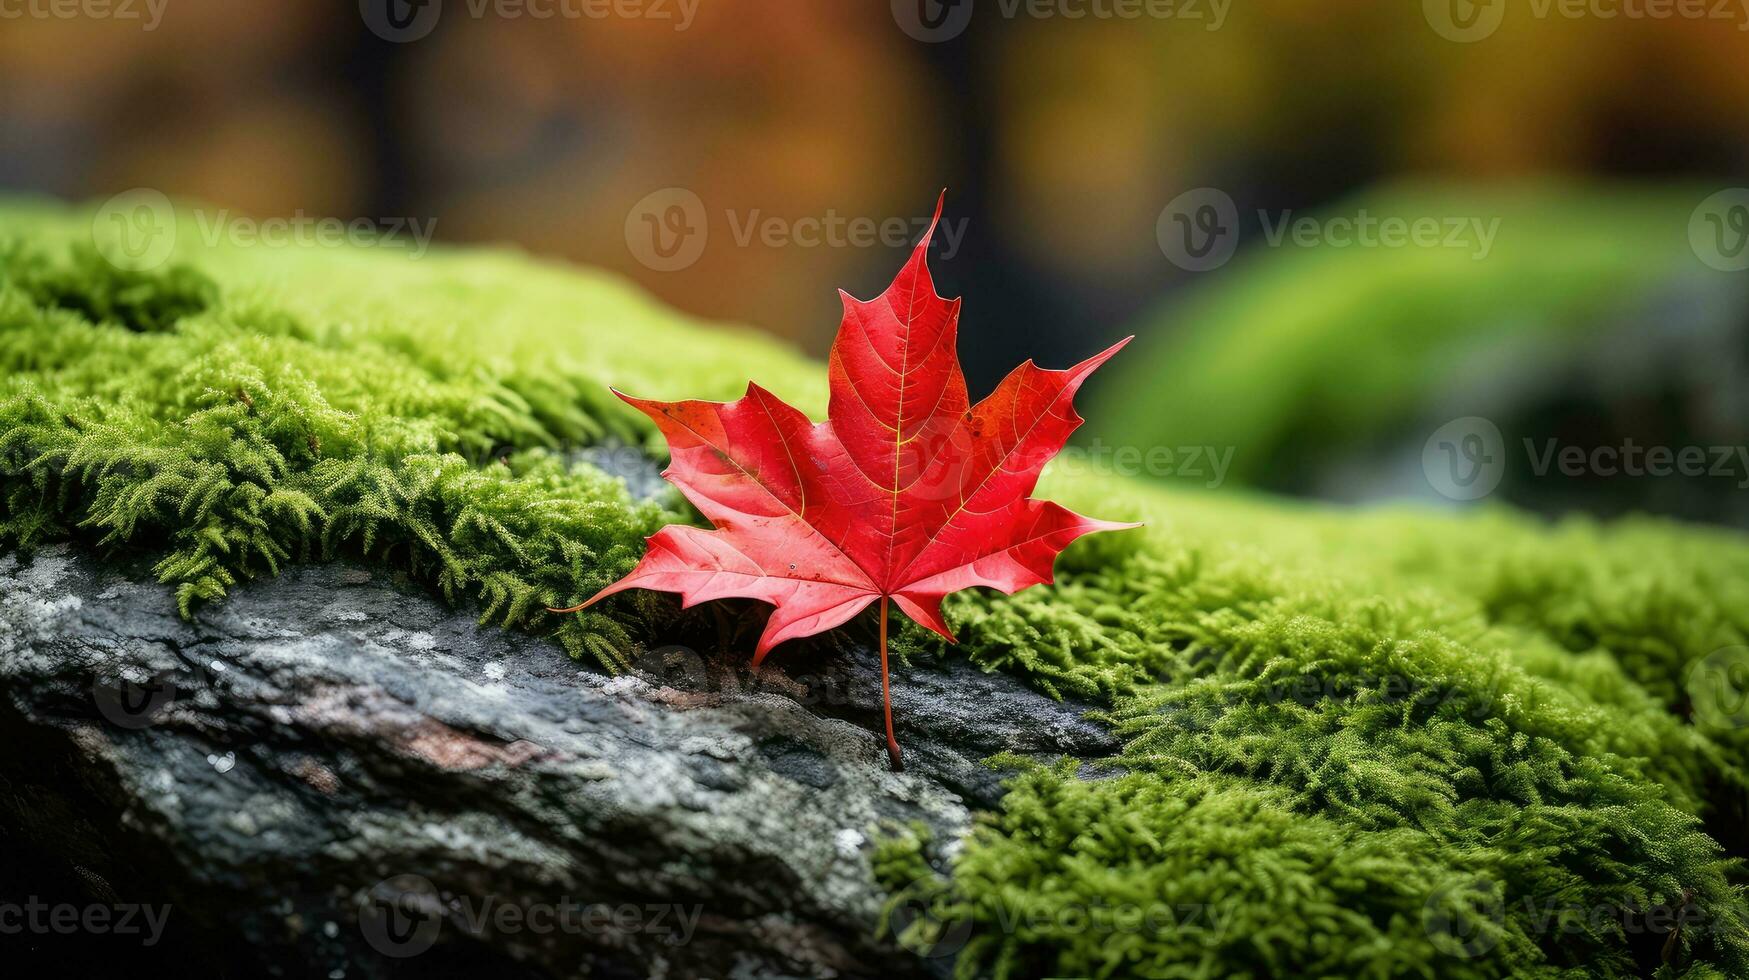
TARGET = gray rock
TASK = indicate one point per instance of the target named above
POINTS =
(331, 774)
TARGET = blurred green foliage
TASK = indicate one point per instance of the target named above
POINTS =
(1301, 357)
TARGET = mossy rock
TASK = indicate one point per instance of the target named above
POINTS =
(1356, 743)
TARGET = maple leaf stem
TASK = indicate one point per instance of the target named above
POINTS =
(886, 695)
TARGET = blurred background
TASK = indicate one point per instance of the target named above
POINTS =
(1372, 251)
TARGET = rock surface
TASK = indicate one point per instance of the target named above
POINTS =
(331, 774)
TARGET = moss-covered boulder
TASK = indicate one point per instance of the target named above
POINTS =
(1350, 743)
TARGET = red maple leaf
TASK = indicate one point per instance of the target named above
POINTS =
(907, 492)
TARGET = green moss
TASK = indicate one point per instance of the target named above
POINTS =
(1335, 723)
(273, 405)
(1382, 742)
